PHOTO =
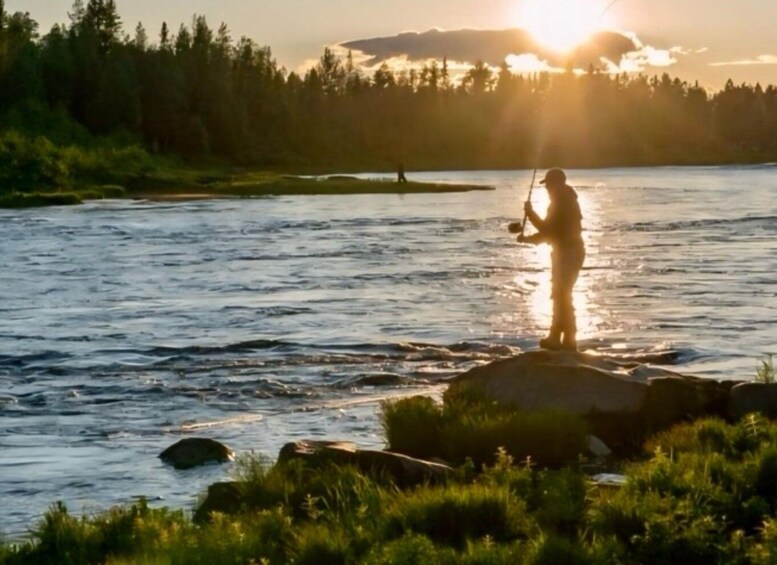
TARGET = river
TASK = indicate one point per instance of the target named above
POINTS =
(126, 325)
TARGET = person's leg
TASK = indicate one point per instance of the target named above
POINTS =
(569, 323)
(553, 341)
(569, 270)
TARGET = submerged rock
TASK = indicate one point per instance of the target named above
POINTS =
(193, 452)
(404, 470)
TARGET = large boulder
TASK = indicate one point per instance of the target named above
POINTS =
(193, 452)
(571, 382)
(621, 398)
(676, 398)
(404, 470)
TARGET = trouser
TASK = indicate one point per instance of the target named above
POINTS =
(566, 265)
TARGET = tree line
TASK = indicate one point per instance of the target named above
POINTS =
(196, 91)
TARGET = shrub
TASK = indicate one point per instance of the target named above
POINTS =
(410, 549)
(30, 164)
(412, 426)
(339, 492)
(19, 200)
(321, 544)
(467, 428)
(545, 438)
(713, 435)
(559, 501)
(454, 514)
(766, 475)
(553, 550)
(764, 373)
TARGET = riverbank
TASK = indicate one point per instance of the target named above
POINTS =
(168, 188)
(701, 492)
(37, 172)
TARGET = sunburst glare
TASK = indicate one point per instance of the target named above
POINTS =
(562, 25)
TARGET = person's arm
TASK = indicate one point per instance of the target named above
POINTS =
(534, 218)
(535, 239)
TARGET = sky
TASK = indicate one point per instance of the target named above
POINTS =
(705, 40)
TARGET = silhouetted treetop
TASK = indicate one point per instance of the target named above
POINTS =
(199, 91)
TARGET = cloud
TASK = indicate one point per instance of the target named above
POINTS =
(615, 51)
(490, 46)
(760, 60)
(529, 63)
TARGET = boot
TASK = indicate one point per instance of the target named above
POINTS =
(552, 342)
(568, 345)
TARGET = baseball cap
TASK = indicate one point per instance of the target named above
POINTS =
(554, 176)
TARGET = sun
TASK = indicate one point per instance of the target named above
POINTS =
(562, 25)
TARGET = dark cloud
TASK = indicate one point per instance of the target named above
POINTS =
(489, 46)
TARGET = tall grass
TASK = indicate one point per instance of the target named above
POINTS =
(764, 372)
(471, 428)
(703, 493)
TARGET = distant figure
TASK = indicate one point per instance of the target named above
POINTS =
(562, 229)
(401, 173)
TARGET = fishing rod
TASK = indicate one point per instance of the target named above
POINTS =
(531, 190)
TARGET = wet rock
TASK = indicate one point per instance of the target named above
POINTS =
(193, 452)
(747, 398)
(404, 470)
(377, 380)
(572, 382)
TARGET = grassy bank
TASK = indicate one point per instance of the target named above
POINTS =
(703, 492)
(36, 172)
(216, 184)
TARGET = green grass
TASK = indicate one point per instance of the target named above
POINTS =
(36, 172)
(287, 185)
(701, 492)
(764, 372)
(467, 427)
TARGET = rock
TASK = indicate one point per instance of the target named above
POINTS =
(598, 448)
(404, 470)
(192, 452)
(682, 397)
(225, 498)
(572, 382)
(620, 399)
(670, 400)
(754, 397)
(609, 480)
(376, 380)
(342, 178)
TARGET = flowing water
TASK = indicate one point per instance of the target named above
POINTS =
(125, 326)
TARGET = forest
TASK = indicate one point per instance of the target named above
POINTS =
(89, 98)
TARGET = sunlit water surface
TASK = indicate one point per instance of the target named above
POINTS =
(128, 325)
